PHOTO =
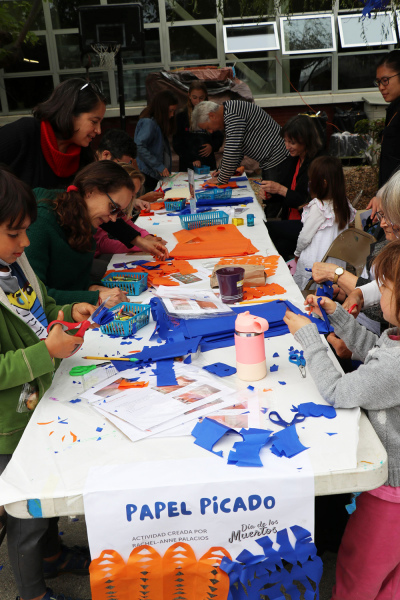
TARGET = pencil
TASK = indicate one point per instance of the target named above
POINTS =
(109, 358)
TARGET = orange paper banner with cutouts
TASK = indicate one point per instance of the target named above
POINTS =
(147, 575)
(270, 263)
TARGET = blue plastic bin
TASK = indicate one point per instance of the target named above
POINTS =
(213, 193)
(175, 205)
(202, 170)
(205, 219)
(136, 284)
(124, 328)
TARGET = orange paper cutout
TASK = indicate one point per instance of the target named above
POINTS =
(210, 242)
(163, 281)
(133, 384)
(269, 289)
(270, 263)
(231, 184)
(148, 575)
(156, 205)
(47, 423)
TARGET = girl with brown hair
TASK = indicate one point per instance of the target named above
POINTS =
(62, 244)
(156, 124)
(324, 217)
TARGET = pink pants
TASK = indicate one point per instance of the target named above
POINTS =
(368, 562)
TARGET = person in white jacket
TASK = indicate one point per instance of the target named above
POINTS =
(327, 215)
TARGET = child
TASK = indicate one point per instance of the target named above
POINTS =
(156, 123)
(324, 217)
(195, 148)
(368, 563)
(105, 246)
(28, 358)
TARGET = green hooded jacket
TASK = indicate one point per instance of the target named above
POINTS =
(23, 358)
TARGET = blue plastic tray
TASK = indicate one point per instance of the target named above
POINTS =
(136, 285)
(175, 204)
(123, 328)
(213, 193)
(202, 170)
(204, 219)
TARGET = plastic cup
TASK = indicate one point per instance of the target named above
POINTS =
(230, 283)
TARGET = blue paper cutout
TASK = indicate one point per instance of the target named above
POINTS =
(102, 316)
(246, 453)
(253, 577)
(275, 355)
(352, 506)
(188, 359)
(282, 382)
(371, 5)
(274, 368)
(325, 289)
(310, 409)
(165, 373)
(99, 429)
(251, 388)
(264, 410)
(208, 432)
(75, 401)
(220, 369)
(156, 353)
(34, 507)
(328, 433)
(287, 443)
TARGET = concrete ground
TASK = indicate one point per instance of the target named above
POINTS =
(74, 532)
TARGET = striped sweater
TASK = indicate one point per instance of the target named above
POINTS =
(249, 131)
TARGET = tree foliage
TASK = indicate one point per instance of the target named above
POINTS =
(16, 22)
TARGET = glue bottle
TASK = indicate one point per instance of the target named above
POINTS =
(250, 348)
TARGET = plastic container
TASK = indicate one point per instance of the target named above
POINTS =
(136, 284)
(202, 170)
(126, 327)
(230, 283)
(250, 220)
(213, 193)
(250, 347)
(204, 219)
(172, 205)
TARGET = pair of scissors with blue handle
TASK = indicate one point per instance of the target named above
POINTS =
(276, 418)
(300, 361)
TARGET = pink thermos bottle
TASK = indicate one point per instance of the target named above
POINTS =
(250, 349)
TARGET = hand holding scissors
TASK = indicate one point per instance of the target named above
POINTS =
(276, 418)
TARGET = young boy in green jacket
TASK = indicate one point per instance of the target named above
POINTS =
(29, 357)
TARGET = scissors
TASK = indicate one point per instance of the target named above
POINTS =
(300, 361)
(84, 325)
(276, 418)
(84, 369)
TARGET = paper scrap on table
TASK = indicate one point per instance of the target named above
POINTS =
(287, 443)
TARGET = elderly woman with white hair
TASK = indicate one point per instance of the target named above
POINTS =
(249, 131)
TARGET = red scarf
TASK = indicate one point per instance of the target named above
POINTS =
(64, 164)
(294, 214)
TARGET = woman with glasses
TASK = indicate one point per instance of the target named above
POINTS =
(47, 150)
(388, 82)
(62, 243)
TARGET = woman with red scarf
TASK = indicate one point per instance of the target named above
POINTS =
(48, 149)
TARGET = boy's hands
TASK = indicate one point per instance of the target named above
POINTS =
(295, 322)
(82, 311)
(59, 344)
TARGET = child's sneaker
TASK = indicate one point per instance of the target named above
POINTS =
(75, 560)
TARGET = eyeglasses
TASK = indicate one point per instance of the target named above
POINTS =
(384, 80)
(381, 216)
(115, 209)
(92, 85)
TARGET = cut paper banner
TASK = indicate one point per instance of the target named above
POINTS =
(178, 574)
(293, 572)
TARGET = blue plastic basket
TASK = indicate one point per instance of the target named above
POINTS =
(123, 328)
(202, 170)
(136, 284)
(213, 193)
(171, 205)
(205, 219)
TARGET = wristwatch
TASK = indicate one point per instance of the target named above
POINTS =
(338, 272)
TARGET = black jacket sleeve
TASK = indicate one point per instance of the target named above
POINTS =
(121, 231)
